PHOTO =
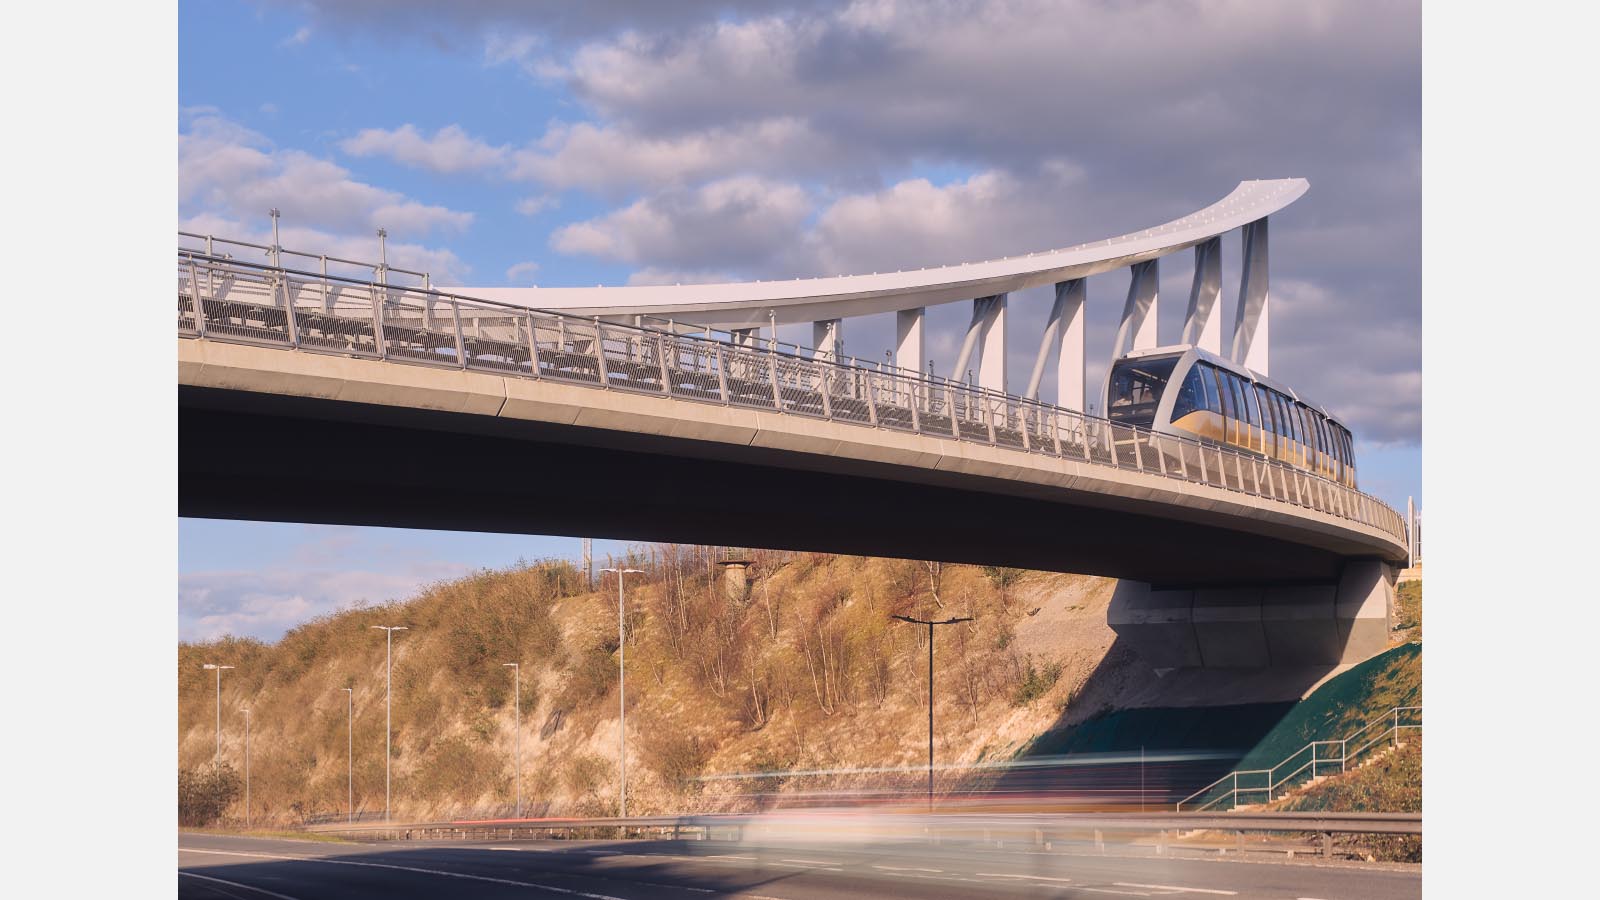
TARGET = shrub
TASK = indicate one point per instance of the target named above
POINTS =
(1036, 682)
(204, 792)
(678, 758)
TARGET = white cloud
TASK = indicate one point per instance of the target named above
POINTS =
(229, 176)
(299, 38)
(657, 275)
(532, 206)
(741, 218)
(522, 270)
(264, 605)
(610, 159)
(450, 150)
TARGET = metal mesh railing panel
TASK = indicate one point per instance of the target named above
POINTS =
(970, 415)
(254, 323)
(633, 360)
(799, 386)
(934, 416)
(421, 334)
(334, 319)
(895, 401)
(567, 349)
(749, 378)
(692, 368)
(506, 349)
(1007, 420)
(847, 394)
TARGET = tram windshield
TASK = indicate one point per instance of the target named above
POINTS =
(1136, 386)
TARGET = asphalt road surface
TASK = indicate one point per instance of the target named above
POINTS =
(218, 867)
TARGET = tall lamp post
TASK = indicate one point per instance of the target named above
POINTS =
(516, 674)
(930, 625)
(216, 760)
(246, 711)
(388, 669)
(350, 754)
(622, 701)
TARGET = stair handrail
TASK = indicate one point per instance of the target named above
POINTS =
(1391, 718)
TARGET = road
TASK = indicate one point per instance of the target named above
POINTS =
(219, 867)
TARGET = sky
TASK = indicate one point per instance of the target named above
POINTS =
(539, 143)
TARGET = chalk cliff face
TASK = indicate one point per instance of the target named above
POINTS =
(799, 668)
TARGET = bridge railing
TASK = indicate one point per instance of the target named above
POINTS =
(228, 299)
(1315, 760)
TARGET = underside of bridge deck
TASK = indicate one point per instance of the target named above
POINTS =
(248, 455)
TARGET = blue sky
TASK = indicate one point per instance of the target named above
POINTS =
(505, 142)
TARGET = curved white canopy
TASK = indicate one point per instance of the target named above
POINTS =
(751, 304)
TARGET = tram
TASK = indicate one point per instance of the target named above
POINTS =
(1188, 392)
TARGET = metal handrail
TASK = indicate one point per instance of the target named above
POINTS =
(1273, 783)
(325, 312)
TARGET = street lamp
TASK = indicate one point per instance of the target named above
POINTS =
(216, 760)
(622, 700)
(246, 711)
(350, 754)
(930, 625)
(388, 669)
(516, 674)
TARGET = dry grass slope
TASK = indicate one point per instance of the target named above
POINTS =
(805, 670)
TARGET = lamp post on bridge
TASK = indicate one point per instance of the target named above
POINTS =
(516, 674)
(930, 625)
(388, 729)
(622, 697)
(277, 251)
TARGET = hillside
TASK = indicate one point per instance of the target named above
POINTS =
(806, 671)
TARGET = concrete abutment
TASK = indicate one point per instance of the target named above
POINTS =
(1256, 626)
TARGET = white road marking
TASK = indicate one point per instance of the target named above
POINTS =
(1110, 891)
(905, 869)
(1010, 875)
(1176, 888)
(808, 867)
(236, 884)
(718, 856)
(417, 869)
(816, 862)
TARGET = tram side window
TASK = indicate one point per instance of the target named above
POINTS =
(1310, 429)
(1250, 404)
(1283, 416)
(1269, 418)
(1225, 397)
(1191, 395)
(1208, 383)
(1241, 410)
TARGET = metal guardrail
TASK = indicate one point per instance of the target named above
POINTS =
(1035, 828)
(323, 312)
(1311, 761)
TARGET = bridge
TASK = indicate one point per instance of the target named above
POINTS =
(318, 389)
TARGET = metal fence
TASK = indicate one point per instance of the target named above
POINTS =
(226, 299)
(1314, 760)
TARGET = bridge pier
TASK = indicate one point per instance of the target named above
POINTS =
(1255, 626)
